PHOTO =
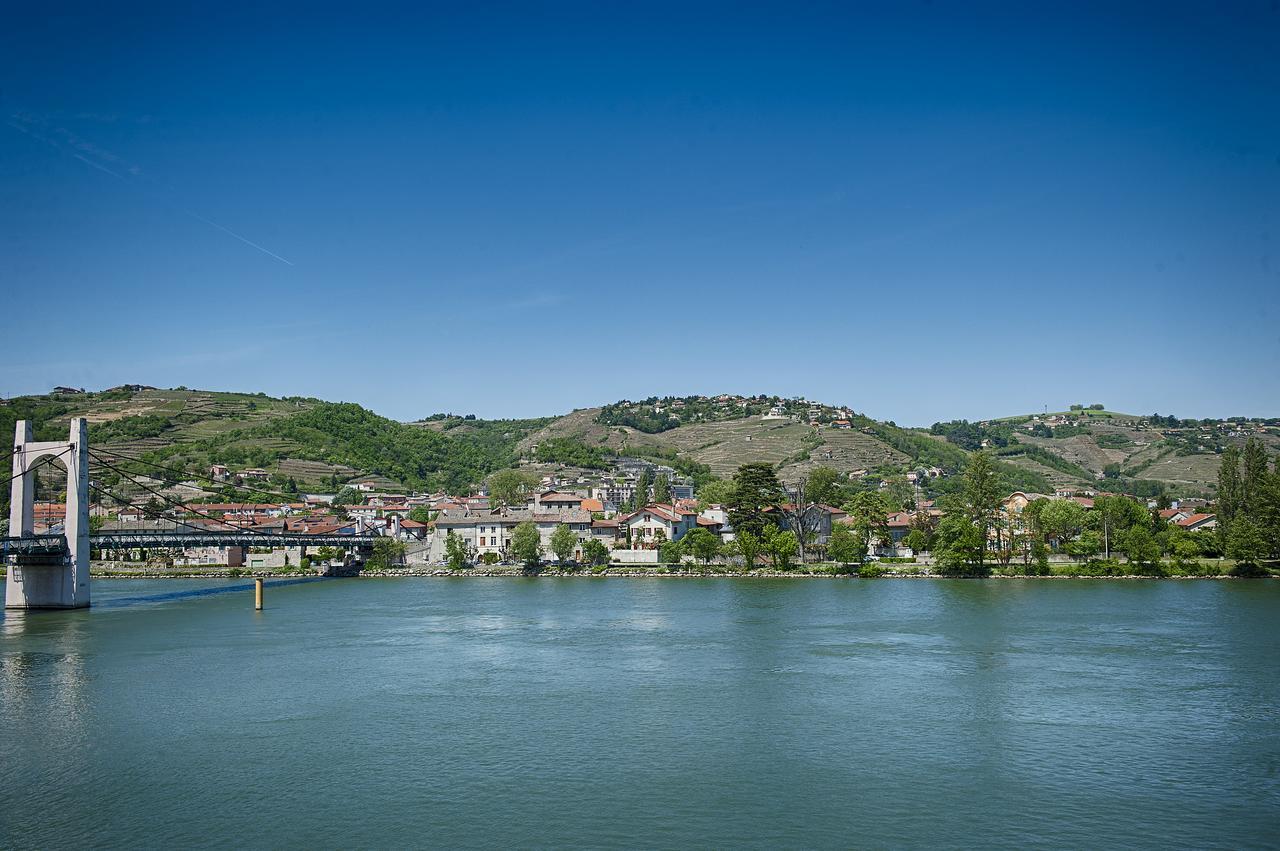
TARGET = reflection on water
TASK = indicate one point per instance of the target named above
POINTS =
(583, 712)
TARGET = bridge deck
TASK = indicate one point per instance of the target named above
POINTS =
(52, 544)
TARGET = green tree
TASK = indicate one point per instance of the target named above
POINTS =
(1182, 546)
(749, 546)
(670, 552)
(1245, 541)
(347, 496)
(662, 489)
(869, 515)
(1061, 519)
(781, 546)
(455, 550)
(1113, 516)
(924, 523)
(900, 492)
(526, 544)
(510, 488)
(563, 542)
(1230, 487)
(595, 553)
(421, 514)
(755, 488)
(387, 552)
(844, 546)
(981, 496)
(823, 486)
(702, 544)
(641, 498)
(1255, 479)
(1140, 546)
(714, 492)
(959, 546)
(917, 541)
(1085, 546)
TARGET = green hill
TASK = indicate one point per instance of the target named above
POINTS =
(310, 444)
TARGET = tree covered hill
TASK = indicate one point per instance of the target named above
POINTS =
(312, 444)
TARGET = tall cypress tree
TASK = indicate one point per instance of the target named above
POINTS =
(641, 498)
(755, 488)
(1253, 484)
(981, 496)
(662, 489)
(1230, 495)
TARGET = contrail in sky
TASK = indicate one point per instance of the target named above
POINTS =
(24, 125)
(236, 235)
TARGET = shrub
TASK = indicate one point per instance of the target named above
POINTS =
(1249, 570)
(871, 571)
(490, 558)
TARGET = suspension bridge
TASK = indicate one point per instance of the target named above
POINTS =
(51, 571)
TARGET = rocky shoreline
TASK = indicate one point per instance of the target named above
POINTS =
(608, 573)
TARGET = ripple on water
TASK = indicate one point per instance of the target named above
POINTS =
(619, 714)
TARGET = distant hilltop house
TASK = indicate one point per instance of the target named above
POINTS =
(66, 391)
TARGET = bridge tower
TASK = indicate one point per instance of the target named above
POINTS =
(60, 581)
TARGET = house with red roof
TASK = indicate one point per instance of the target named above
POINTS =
(655, 523)
(1196, 522)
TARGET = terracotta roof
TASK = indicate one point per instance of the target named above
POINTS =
(555, 496)
(1194, 520)
(659, 511)
(592, 505)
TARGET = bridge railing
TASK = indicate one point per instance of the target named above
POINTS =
(146, 538)
(34, 545)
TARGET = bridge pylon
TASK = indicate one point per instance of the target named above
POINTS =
(61, 581)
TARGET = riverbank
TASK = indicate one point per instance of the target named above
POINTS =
(1094, 570)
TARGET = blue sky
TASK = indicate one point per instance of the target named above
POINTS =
(922, 210)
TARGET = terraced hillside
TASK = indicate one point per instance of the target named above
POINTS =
(1119, 450)
(724, 446)
(319, 445)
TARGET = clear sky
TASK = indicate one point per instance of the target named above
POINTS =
(923, 210)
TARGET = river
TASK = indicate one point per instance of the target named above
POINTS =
(665, 713)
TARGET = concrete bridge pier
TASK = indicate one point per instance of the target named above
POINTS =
(60, 581)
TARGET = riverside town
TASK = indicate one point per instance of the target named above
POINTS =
(632, 488)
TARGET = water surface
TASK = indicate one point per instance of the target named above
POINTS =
(657, 713)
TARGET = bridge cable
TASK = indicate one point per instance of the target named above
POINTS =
(122, 501)
(175, 504)
(43, 461)
(232, 530)
(120, 458)
(229, 527)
